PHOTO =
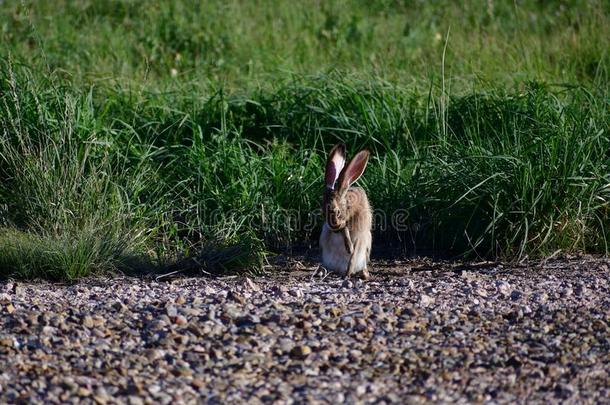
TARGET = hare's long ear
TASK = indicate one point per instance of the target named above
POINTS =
(354, 170)
(334, 165)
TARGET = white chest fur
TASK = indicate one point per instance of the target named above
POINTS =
(334, 254)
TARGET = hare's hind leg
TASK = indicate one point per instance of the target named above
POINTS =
(365, 273)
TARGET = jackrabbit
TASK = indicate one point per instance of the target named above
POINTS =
(346, 235)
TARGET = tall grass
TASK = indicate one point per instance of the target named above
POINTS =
(185, 136)
(78, 197)
(71, 197)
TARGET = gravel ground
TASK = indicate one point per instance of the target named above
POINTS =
(416, 332)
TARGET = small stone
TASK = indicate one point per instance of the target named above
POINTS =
(195, 330)
(171, 311)
(296, 292)
(237, 297)
(516, 295)
(134, 400)
(580, 290)
(6, 341)
(503, 288)
(540, 297)
(98, 321)
(154, 354)
(32, 319)
(101, 399)
(300, 352)
(83, 392)
(8, 286)
(305, 325)
(181, 320)
(191, 311)
(262, 330)
(427, 300)
(285, 345)
(87, 321)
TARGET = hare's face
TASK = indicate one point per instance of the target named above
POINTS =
(334, 210)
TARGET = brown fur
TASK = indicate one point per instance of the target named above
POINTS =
(347, 212)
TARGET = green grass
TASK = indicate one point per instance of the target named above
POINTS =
(247, 44)
(183, 136)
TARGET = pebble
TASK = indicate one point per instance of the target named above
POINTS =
(426, 300)
(87, 321)
(300, 352)
(171, 311)
(503, 288)
(516, 295)
(286, 345)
